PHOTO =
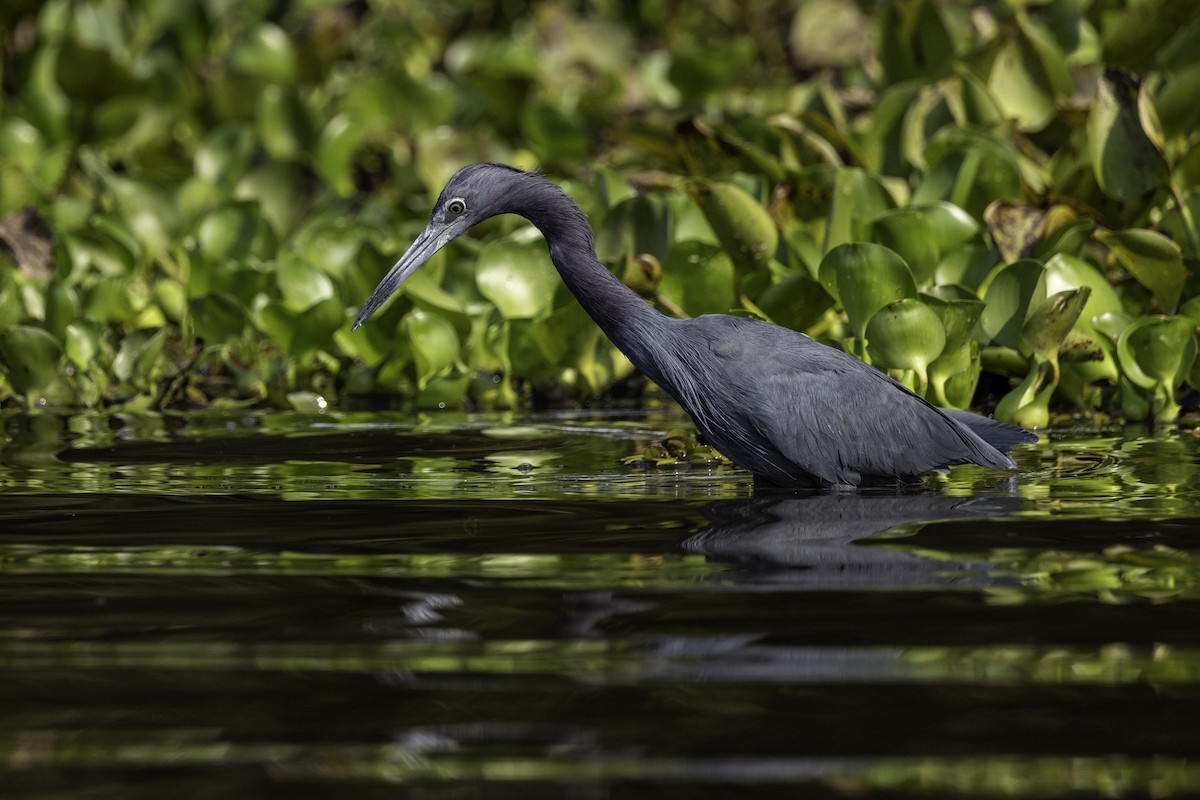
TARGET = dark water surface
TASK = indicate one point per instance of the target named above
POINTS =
(346, 605)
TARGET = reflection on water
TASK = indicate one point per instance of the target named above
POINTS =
(494, 606)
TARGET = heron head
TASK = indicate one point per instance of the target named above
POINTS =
(475, 193)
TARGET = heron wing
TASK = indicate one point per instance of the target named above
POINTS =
(834, 416)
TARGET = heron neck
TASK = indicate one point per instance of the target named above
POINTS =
(626, 319)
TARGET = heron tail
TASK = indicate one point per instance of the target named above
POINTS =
(999, 435)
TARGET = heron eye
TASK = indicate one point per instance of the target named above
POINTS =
(456, 207)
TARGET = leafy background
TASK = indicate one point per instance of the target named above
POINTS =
(987, 200)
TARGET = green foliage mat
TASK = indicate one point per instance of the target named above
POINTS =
(196, 196)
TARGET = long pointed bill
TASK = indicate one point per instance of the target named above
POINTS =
(432, 239)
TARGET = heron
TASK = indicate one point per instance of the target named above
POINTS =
(794, 412)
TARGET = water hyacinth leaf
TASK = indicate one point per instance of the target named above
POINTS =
(282, 123)
(1018, 230)
(115, 300)
(954, 374)
(970, 168)
(62, 308)
(301, 333)
(334, 245)
(553, 133)
(979, 106)
(1153, 259)
(275, 187)
(949, 225)
(1124, 159)
(827, 33)
(264, 52)
(1065, 272)
(795, 302)
(434, 344)
(316, 326)
(1028, 405)
(915, 41)
(517, 278)
(138, 357)
(171, 298)
(228, 233)
(1111, 324)
(334, 158)
(857, 197)
(11, 310)
(958, 316)
(744, 227)
(1070, 237)
(906, 334)
(1009, 293)
(446, 391)
(1020, 85)
(217, 317)
(224, 154)
(1048, 324)
(81, 342)
(301, 284)
(1176, 101)
(906, 231)
(864, 278)
(1191, 310)
(636, 225)
(699, 278)
(29, 357)
(1157, 351)
(921, 234)
(150, 211)
(966, 266)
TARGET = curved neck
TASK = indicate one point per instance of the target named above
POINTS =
(626, 319)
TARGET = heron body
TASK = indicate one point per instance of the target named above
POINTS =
(793, 411)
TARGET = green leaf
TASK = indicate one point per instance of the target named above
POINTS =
(1153, 259)
(1065, 272)
(224, 154)
(217, 317)
(1124, 159)
(139, 355)
(334, 157)
(1020, 85)
(228, 233)
(954, 374)
(636, 225)
(30, 357)
(744, 227)
(1048, 324)
(518, 279)
(864, 278)
(1157, 351)
(302, 333)
(82, 343)
(699, 278)
(283, 124)
(301, 284)
(921, 234)
(795, 302)
(434, 344)
(264, 52)
(62, 308)
(906, 334)
(1010, 292)
(857, 198)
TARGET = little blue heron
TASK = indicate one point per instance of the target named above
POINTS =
(793, 411)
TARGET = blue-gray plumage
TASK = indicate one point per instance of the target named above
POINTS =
(792, 411)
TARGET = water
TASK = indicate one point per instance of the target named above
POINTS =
(348, 605)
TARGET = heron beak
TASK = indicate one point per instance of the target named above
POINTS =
(432, 239)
